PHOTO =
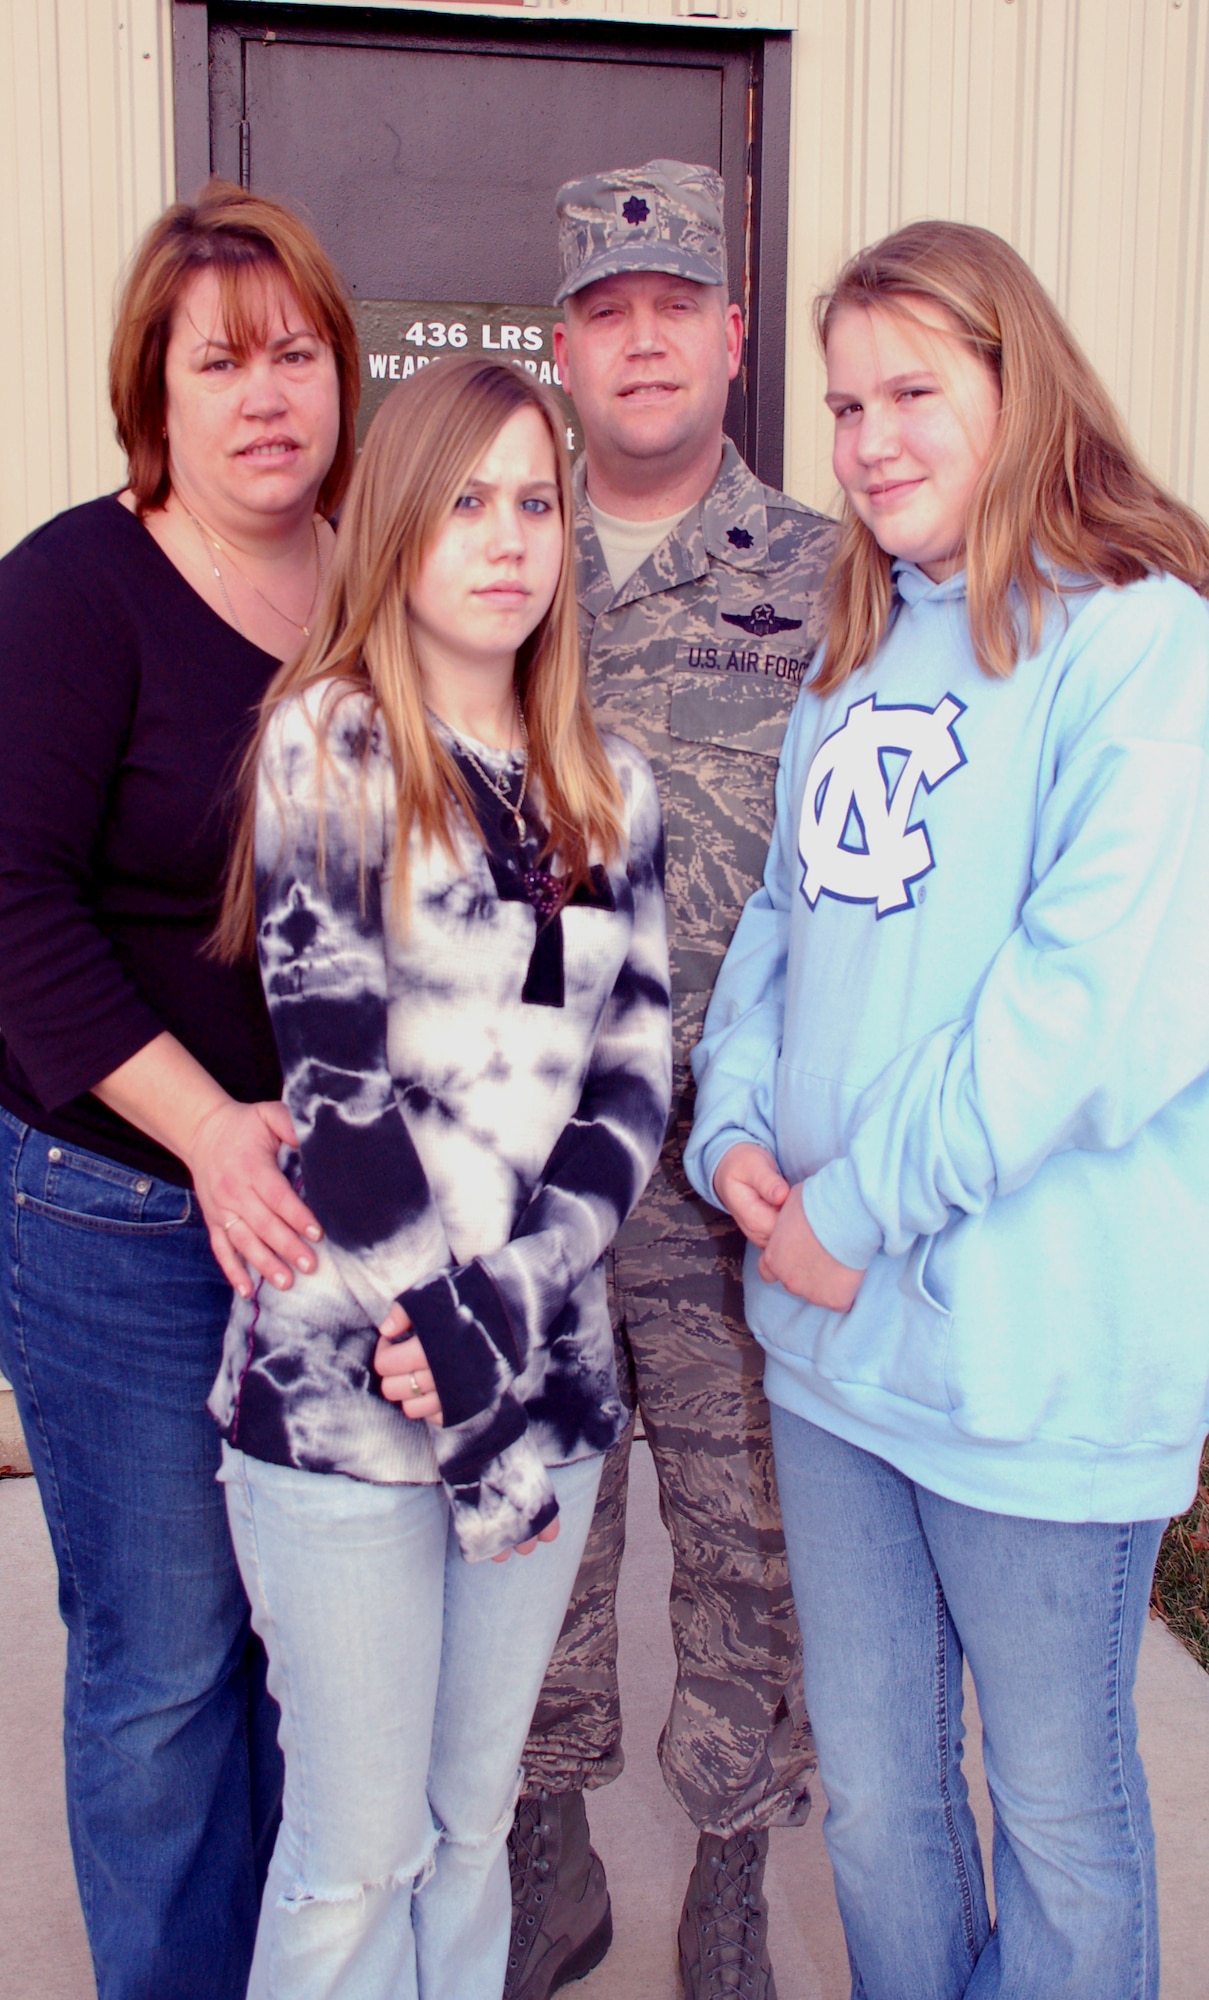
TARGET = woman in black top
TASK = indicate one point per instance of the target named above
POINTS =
(140, 1111)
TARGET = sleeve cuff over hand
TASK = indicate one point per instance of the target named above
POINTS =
(462, 1324)
(838, 1216)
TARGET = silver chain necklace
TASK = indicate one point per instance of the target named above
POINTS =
(493, 785)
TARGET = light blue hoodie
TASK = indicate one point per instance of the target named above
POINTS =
(970, 1009)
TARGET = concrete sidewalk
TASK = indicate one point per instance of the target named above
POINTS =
(646, 1842)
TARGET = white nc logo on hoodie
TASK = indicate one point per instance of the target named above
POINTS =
(855, 841)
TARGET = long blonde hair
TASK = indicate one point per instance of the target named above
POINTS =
(1062, 487)
(421, 449)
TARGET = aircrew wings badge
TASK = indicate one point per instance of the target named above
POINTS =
(761, 621)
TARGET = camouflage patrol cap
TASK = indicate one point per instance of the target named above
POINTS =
(665, 216)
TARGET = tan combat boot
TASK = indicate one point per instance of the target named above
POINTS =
(562, 1924)
(723, 1935)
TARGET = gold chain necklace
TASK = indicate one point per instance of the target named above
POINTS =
(206, 537)
(518, 817)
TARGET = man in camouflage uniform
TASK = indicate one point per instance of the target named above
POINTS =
(696, 655)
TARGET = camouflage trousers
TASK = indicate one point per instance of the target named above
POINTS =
(736, 1749)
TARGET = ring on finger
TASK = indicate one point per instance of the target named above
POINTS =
(230, 1222)
(415, 1386)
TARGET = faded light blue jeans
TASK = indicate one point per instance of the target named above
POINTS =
(407, 1679)
(893, 1586)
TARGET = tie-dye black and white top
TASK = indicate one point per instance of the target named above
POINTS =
(480, 1092)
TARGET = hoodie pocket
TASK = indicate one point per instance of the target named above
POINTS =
(894, 1340)
(896, 1337)
(1058, 1330)
(811, 1117)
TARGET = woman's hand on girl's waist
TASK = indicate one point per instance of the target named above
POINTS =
(254, 1216)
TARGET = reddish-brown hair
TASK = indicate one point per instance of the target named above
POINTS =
(238, 236)
(1062, 489)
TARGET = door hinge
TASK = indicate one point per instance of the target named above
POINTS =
(245, 154)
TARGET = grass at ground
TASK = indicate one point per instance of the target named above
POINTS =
(1181, 1580)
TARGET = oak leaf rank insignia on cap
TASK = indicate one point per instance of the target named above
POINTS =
(665, 216)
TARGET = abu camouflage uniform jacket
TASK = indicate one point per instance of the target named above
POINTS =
(698, 659)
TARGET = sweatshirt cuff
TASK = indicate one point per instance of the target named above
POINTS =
(838, 1216)
(462, 1324)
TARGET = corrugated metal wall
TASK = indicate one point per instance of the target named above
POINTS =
(85, 163)
(1079, 129)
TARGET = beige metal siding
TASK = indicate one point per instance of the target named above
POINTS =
(85, 152)
(1079, 129)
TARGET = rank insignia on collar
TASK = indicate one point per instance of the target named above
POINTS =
(738, 538)
(761, 621)
(635, 209)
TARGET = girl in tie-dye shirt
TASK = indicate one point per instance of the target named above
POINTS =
(455, 889)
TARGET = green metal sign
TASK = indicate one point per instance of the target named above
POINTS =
(399, 336)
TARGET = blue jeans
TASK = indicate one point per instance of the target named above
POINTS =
(407, 1679)
(893, 1585)
(112, 1312)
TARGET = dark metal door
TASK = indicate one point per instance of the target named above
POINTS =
(426, 151)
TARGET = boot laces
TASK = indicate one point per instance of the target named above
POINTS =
(530, 1861)
(732, 1920)
(530, 1872)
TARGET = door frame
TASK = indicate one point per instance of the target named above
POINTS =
(762, 289)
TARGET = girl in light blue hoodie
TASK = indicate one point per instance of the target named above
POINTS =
(954, 1087)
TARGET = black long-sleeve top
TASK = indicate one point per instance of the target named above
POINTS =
(124, 704)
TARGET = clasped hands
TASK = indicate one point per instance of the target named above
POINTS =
(750, 1184)
(407, 1380)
